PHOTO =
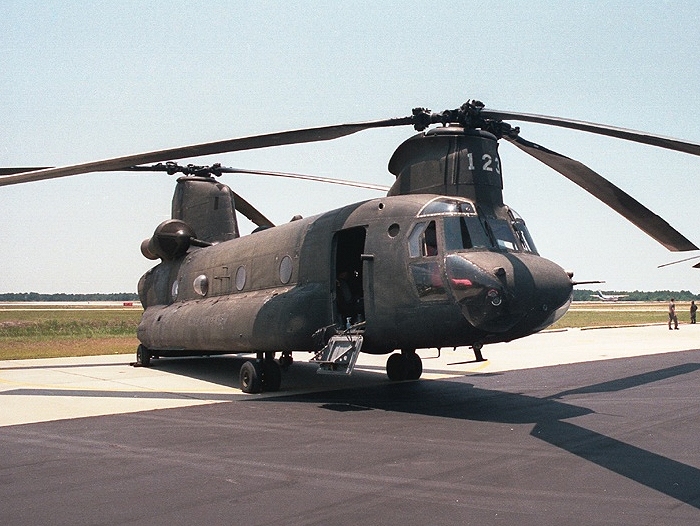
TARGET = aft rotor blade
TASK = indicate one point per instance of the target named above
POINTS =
(248, 210)
(306, 135)
(330, 180)
(608, 193)
(18, 170)
(601, 129)
(290, 175)
(252, 213)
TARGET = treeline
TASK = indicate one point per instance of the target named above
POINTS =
(35, 296)
(639, 295)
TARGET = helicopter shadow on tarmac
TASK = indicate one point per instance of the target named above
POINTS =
(458, 398)
(220, 370)
(301, 377)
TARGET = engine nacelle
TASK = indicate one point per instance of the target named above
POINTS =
(171, 239)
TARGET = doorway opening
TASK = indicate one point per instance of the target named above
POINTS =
(348, 304)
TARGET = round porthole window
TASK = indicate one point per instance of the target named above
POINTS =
(240, 278)
(286, 269)
(201, 285)
(394, 230)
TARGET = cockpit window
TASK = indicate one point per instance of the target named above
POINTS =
(464, 232)
(422, 241)
(522, 232)
(470, 232)
(502, 234)
(426, 270)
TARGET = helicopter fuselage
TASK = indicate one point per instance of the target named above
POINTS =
(440, 261)
(408, 271)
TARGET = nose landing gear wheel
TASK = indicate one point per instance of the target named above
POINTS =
(404, 366)
(396, 368)
(415, 366)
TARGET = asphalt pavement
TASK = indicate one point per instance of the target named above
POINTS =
(571, 427)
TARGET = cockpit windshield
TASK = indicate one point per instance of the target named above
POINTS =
(464, 229)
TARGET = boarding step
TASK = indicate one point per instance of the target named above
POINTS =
(339, 355)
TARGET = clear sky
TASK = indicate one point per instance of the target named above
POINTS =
(84, 81)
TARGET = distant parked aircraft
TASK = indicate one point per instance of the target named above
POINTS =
(608, 297)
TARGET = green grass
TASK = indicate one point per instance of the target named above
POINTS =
(46, 333)
(69, 323)
(600, 318)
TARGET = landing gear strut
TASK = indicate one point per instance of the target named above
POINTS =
(404, 366)
(286, 360)
(261, 374)
(477, 352)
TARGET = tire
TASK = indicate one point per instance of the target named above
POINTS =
(143, 356)
(415, 366)
(396, 367)
(250, 378)
(272, 376)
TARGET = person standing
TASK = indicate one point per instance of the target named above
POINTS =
(693, 311)
(672, 318)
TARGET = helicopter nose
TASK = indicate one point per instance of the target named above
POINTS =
(497, 291)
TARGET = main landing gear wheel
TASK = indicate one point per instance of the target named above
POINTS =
(260, 375)
(272, 375)
(404, 366)
(143, 356)
(251, 377)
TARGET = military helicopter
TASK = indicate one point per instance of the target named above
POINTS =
(440, 261)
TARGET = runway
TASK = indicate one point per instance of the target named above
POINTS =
(572, 427)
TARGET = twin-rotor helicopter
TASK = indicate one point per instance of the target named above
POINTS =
(440, 261)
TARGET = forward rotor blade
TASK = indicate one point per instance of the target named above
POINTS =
(252, 213)
(697, 265)
(601, 129)
(608, 193)
(322, 133)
